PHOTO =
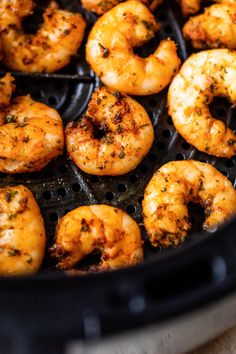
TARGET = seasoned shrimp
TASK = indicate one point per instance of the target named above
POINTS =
(31, 135)
(112, 137)
(169, 191)
(102, 6)
(190, 7)
(50, 48)
(12, 11)
(112, 57)
(215, 28)
(97, 228)
(6, 90)
(22, 233)
(204, 75)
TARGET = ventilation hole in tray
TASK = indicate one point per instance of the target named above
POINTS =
(153, 102)
(220, 112)
(167, 29)
(53, 217)
(179, 156)
(34, 175)
(47, 195)
(162, 17)
(76, 187)
(185, 145)
(152, 157)
(37, 95)
(94, 179)
(49, 172)
(121, 187)
(140, 200)
(169, 120)
(160, 145)
(109, 196)
(133, 178)
(229, 163)
(62, 192)
(58, 85)
(143, 168)
(131, 209)
(166, 133)
(52, 101)
(62, 169)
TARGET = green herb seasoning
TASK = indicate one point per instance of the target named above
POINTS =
(10, 118)
(104, 51)
(84, 226)
(26, 139)
(13, 252)
(10, 195)
(230, 142)
(29, 260)
(121, 155)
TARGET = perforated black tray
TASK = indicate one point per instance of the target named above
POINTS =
(61, 187)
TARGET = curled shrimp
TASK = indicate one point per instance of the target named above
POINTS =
(97, 228)
(31, 134)
(215, 28)
(112, 57)
(204, 75)
(112, 137)
(22, 233)
(12, 11)
(102, 6)
(176, 184)
(190, 7)
(50, 48)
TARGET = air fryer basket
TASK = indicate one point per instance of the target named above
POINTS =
(164, 285)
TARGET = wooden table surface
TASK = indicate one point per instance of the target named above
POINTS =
(224, 344)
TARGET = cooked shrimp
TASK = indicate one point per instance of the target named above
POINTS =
(31, 135)
(169, 191)
(102, 6)
(97, 228)
(112, 57)
(204, 75)
(112, 137)
(22, 233)
(50, 48)
(12, 11)
(6, 90)
(190, 7)
(215, 28)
